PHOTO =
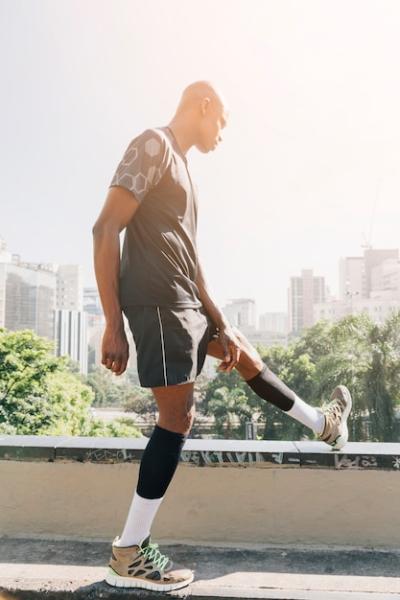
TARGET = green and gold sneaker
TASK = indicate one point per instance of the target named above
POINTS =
(143, 566)
(336, 412)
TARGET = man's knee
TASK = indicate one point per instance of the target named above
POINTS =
(176, 410)
(181, 422)
(184, 417)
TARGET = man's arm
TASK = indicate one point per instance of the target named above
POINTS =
(226, 337)
(118, 210)
(215, 313)
(143, 164)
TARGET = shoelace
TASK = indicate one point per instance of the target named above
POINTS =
(150, 551)
(334, 410)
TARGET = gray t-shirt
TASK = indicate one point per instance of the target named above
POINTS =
(159, 256)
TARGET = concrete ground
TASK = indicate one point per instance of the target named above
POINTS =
(47, 569)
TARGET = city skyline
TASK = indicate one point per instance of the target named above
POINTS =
(49, 264)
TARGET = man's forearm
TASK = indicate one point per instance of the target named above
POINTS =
(106, 250)
(215, 313)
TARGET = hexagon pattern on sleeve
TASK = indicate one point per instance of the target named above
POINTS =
(143, 164)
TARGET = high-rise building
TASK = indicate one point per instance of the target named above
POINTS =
(378, 309)
(96, 323)
(27, 295)
(5, 258)
(356, 273)
(70, 287)
(71, 326)
(368, 284)
(71, 336)
(274, 322)
(352, 280)
(303, 293)
(332, 310)
(241, 313)
(374, 258)
(385, 279)
(91, 301)
(47, 299)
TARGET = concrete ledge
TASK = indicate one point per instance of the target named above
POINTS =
(63, 570)
(223, 491)
(201, 453)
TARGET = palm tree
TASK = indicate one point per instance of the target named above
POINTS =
(227, 406)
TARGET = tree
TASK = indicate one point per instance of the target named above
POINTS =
(108, 391)
(225, 405)
(120, 427)
(39, 395)
(382, 379)
(25, 362)
(140, 401)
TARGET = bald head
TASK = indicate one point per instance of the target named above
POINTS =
(196, 93)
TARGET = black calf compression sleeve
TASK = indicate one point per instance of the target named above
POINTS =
(159, 461)
(269, 387)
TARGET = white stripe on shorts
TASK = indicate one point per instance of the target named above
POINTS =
(162, 346)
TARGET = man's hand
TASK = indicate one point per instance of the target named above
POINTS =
(115, 349)
(231, 348)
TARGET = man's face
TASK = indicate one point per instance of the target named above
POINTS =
(211, 124)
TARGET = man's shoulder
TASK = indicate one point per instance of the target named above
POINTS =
(154, 141)
(153, 133)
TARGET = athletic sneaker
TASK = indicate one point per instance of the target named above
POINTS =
(335, 431)
(143, 566)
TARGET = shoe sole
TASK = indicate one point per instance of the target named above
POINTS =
(112, 578)
(343, 437)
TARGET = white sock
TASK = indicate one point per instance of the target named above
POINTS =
(308, 415)
(139, 520)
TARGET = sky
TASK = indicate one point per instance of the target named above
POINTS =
(308, 170)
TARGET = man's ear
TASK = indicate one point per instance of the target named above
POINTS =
(204, 105)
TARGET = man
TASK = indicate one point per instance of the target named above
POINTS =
(161, 288)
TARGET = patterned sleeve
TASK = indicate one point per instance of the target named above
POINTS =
(143, 164)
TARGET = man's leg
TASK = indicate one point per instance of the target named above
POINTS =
(330, 424)
(160, 459)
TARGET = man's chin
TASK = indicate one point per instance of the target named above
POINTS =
(204, 149)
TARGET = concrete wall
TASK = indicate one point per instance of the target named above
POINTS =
(226, 503)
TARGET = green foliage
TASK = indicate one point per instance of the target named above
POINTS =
(225, 405)
(108, 389)
(41, 395)
(140, 401)
(64, 407)
(38, 395)
(231, 381)
(25, 362)
(120, 427)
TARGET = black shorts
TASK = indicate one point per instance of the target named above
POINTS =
(171, 343)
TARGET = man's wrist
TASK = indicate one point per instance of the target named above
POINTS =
(116, 323)
(217, 316)
(222, 323)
